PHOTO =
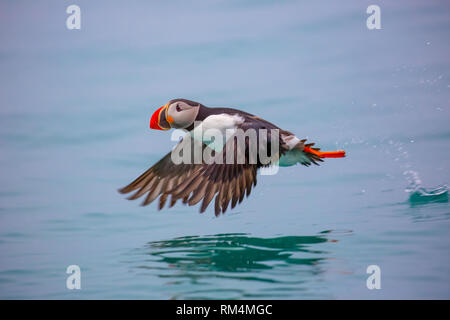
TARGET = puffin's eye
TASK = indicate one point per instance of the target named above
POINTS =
(178, 108)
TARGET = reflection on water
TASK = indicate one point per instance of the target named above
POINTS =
(242, 265)
(233, 252)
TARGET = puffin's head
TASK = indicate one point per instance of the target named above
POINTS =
(177, 113)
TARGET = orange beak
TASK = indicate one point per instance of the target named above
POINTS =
(160, 120)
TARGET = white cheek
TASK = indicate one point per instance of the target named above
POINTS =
(170, 113)
(178, 118)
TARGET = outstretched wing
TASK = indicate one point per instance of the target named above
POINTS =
(160, 178)
(193, 182)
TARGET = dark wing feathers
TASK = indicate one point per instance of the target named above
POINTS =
(193, 183)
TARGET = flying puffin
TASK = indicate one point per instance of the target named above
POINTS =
(193, 182)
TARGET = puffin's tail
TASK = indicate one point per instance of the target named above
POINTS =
(307, 155)
(325, 154)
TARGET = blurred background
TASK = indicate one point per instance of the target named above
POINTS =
(75, 107)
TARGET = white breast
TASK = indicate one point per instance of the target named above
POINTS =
(223, 124)
(222, 121)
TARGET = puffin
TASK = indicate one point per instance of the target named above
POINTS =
(193, 182)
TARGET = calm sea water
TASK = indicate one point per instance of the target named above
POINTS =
(74, 114)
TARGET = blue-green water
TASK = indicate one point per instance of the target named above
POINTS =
(74, 114)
